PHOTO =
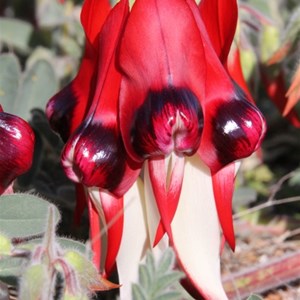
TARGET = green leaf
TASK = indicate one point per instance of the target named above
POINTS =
(35, 282)
(150, 263)
(68, 296)
(85, 269)
(248, 61)
(39, 84)
(66, 243)
(50, 13)
(167, 280)
(23, 215)
(295, 180)
(170, 295)
(270, 41)
(291, 32)
(16, 33)
(5, 245)
(166, 261)
(9, 81)
(39, 53)
(261, 6)
(138, 293)
(254, 297)
(158, 278)
(11, 267)
(69, 46)
(144, 276)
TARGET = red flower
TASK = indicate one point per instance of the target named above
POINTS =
(160, 97)
(16, 151)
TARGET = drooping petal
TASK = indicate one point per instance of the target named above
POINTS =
(235, 70)
(160, 66)
(166, 176)
(234, 130)
(233, 127)
(16, 148)
(93, 15)
(67, 108)
(95, 154)
(220, 19)
(95, 229)
(223, 186)
(196, 233)
(114, 218)
(110, 210)
(134, 240)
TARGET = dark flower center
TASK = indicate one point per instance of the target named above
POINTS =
(169, 120)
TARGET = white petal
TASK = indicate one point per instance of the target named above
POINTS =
(153, 216)
(134, 240)
(196, 231)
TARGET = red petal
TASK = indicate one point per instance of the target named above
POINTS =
(113, 213)
(158, 178)
(233, 128)
(220, 18)
(223, 186)
(81, 203)
(95, 154)
(67, 108)
(93, 15)
(293, 93)
(236, 72)
(154, 56)
(17, 147)
(167, 206)
(95, 233)
(170, 120)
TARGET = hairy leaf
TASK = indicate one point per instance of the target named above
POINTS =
(23, 215)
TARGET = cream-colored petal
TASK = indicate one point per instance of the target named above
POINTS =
(196, 232)
(134, 240)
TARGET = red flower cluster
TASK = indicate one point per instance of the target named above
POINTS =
(153, 92)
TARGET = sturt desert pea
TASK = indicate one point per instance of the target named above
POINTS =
(161, 100)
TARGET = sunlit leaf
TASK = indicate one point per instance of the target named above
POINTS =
(5, 245)
(270, 41)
